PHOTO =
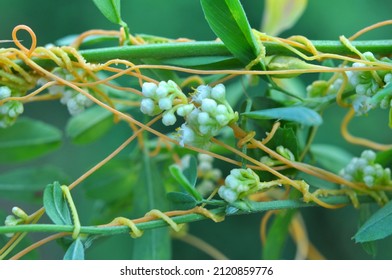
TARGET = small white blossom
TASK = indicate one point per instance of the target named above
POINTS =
(209, 105)
(169, 118)
(149, 89)
(218, 92)
(165, 103)
(147, 106)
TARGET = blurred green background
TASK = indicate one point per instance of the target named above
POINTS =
(331, 231)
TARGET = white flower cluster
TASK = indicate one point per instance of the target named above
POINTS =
(10, 110)
(239, 184)
(76, 102)
(161, 98)
(205, 115)
(365, 170)
(366, 86)
(321, 88)
(209, 176)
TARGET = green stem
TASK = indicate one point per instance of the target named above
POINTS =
(212, 48)
(256, 207)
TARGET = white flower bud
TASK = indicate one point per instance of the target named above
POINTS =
(222, 119)
(202, 92)
(205, 157)
(168, 119)
(165, 103)
(204, 166)
(187, 135)
(185, 110)
(227, 194)
(5, 92)
(369, 170)
(231, 181)
(205, 129)
(209, 105)
(218, 92)
(149, 89)
(162, 90)
(368, 180)
(203, 118)
(147, 106)
(369, 155)
(222, 109)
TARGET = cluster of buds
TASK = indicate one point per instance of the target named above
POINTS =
(75, 101)
(205, 114)
(365, 170)
(239, 184)
(208, 174)
(9, 110)
(366, 84)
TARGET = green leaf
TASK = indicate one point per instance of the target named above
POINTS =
(89, 125)
(301, 115)
(280, 15)
(228, 21)
(365, 213)
(377, 227)
(191, 171)
(277, 235)
(182, 201)
(27, 139)
(56, 206)
(384, 158)
(149, 193)
(28, 183)
(113, 181)
(111, 9)
(390, 118)
(75, 251)
(285, 136)
(331, 157)
(178, 174)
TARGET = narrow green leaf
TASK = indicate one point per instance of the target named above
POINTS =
(277, 235)
(331, 157)
(182, 201)
(390, 118)
(56, 206)
(111, 9)
(28, 183)
(75, 251)
(365, 213)
(149, 194)
(377, 227)
(301, 115)
(90, 125)
(280, 15)
(228, 21)
(191, 171)
(27, 139)
(178, 174)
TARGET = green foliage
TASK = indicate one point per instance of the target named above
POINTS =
(298, 114)
(75, 251)
(150, 194)
(331, 157)
(187, 178)
(280, 15)
(181, 201)
(56, 206)
(378, 226)
(111, 9)
(28, 183)
(277, 235)
(27, 139)
(90, 125)
(228, 21)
